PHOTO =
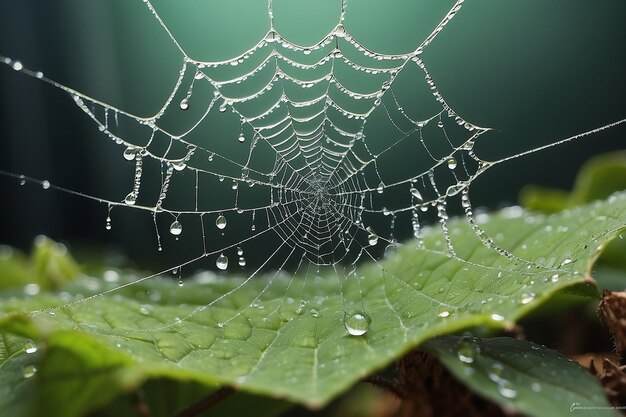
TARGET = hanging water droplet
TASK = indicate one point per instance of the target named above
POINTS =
(176, 228)
(241, 138)
(45, 184)
(222, 262)
(467, 349)
(223, 108)
(242, 261)
(235, 185)
(452, 163)
(440, 123)
(180, 283)
(380, 188)
(239, 251)
(221, 222)
(372, 237)
(179, 165)
(131, 199)
(357, 323)
(415, 193)
(130, 153)
(22, 180)
(184, 104)
(29, 371)
(391, 249)
(17, 65)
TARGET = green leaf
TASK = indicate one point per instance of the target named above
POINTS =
(521, 376)
(271, 345)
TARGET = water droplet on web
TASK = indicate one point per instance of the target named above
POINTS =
(372, 238)
(554, 278)
(130, 153)
(222, 262)
(130, 199)
(176, 228)
(380, 188)
(440, 123)
(566, 261)
(179, 165)
(30, 347)
(467, 349)
(22, 180)
(242, 261)
(221, 222)
(45, 184)
(452, 163)
(29, 371)
(314, 313)
(222, 108)
(234, 185)
(184, 104)
(415, 193)
(241, 138)
(17, 65)
(239, 251)
(357, 324)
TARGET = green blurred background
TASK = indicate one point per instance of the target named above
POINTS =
(536, 71)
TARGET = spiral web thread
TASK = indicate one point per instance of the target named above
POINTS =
(327, 186)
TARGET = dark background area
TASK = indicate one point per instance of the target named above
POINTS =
(535, 71)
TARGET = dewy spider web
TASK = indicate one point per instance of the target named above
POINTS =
(328, 119)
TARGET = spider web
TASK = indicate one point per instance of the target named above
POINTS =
(319, 128)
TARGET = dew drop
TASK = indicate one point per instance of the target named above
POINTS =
(235, 185)
(357, 324)
(176, 228)
(566, 261)
(179, 165)
(241, 138)
(242, 261)
(443, 312)
(130, 153)
(440, 123)
(222, 108)
(554, 278)
(45, 184)
(467, 349)
(496, 317)
(505, 388)
(314, 313)
(220, 222)
(30, 347)
(131, 199)
(184, 104)
(452, 163)
(527, 297)
(17, 65)
(372, 238)
(415, 193)
(29, 371)
(22, 180)
(380, 188)
(222, 262)
(239, 251)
